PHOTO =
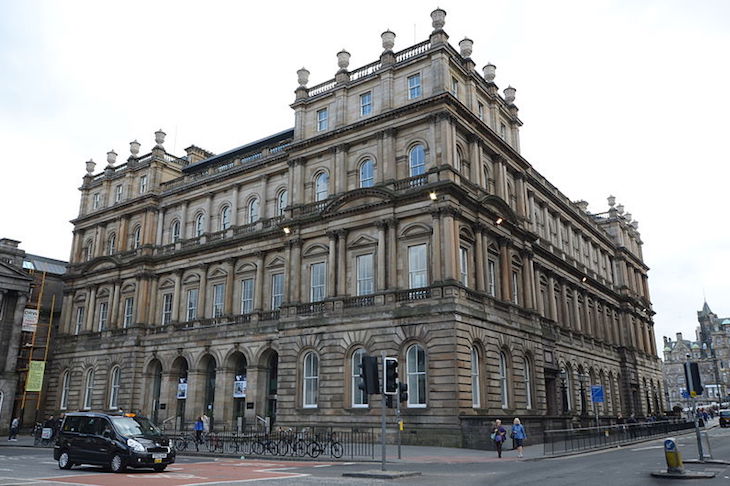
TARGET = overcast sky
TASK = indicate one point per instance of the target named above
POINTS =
(628, 98)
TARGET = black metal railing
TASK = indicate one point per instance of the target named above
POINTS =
(574, 440)
(289, 442)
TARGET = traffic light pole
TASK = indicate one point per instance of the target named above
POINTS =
(398, 421)
(691, 387)
(382, 413)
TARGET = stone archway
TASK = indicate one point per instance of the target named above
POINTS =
(153, 378)
(235, 378)
(178, 391)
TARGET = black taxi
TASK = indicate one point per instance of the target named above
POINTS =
(116, 441)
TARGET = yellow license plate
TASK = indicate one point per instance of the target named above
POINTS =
(157, 461)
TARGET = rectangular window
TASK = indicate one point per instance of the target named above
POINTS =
(128, 311)
(96, 201)
(503, 131)
(192, 305)
(247, 296)
(417, 273)
(79, 319)
(491, 278)
(317, 278)
(166, 309)
(463, 265)
(515, 288)
(143, 184)
(277, 290)
(414, 86)
(455, 87)
(364, 265)
(219, 294)
(103, 315)
(480, 110)
(118, 193)
(322, 120)
(366, 103)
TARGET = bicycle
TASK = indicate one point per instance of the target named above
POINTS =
(215, 443)
(183, 441)
(264, 445)
(331, 444)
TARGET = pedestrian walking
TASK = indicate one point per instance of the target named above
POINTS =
(499, 435)
(518, 435)
(14, 426)
(206, 423)
(198, 427)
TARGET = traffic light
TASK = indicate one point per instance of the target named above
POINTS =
(369, 382)
(692, 375)
(390, 379)
(402, 392)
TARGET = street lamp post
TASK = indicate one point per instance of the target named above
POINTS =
(563, 389)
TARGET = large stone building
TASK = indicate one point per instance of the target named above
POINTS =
(30, 305)
(396, 216)
(710, 349)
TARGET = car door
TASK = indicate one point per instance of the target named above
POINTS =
(93, 440)
(79, 448)
(70, 440)
(102, 442)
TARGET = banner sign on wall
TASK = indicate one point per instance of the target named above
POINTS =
(182, 389)
(34, 382)
(30, 319)
(239, 387)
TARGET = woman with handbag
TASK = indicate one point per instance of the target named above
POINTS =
(519, 435)
(499, 435)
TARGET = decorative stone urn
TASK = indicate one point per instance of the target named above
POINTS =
(303, 77)
(466, 46)
(620, 209)
(388, 39)
(134, 148)
(438, 19)
(90, 165)
(490, 71)
(627, 216)
(509, 95)
(111, 157)
(343, 60)
(159, 138)
(611, 201)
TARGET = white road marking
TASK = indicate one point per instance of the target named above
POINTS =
(323, 465)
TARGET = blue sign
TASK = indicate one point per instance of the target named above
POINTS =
(669, 445)
(597, 393)
(685, 394)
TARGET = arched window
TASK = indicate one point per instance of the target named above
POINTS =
(475, 391)
(175, 231)
(225, 220)
(528, 383)
(137, 237)
(65, 388)
(199, 224)
(416, 373)
(88, 389)
(367, 173)
(417, 160)
(311, 380)
(503, 382)
(321, 187)
(516, 281)
(282, 201)
(253, 210)
(114, 388)
(111, 244)
(359, 397)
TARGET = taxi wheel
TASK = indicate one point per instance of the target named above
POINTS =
(63, 462)
(117, 465)
(160, 467)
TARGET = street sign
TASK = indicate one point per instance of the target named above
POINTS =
(685, 394)
(597, 393)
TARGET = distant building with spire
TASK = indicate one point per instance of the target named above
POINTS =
(711, 349)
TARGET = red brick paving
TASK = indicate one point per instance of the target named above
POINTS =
(189, 474)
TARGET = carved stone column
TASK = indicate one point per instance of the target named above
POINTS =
(258, 294)
(90, 309)
(479, 257)
(579, 326)
(295, 271)
(331, 264)
(437, 261)
(160, 226)
(209, 216)
(202, 291)
(153, 299)
(393, 254)
(553, 311)
(527, 280)
(341, 261)
(176, 296)
(381, 271)
(448, 249)
(230, 284)
(505, 269)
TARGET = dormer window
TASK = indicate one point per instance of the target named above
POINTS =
(322, 120)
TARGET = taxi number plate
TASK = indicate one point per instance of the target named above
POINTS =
(158, 457)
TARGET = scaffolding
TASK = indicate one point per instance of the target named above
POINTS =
(34, 346)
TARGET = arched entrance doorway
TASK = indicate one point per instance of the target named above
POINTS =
(154, 374)
(238, 365)
(272, 385)
(208, 367)
(180, 371)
